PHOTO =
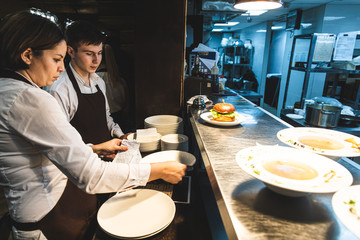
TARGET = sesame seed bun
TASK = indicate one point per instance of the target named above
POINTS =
(224, 108)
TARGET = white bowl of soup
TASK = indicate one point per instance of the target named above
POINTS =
(330, 143)
(293, 172)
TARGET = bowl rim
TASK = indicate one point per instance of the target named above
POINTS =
(146, 120)
(165, 139)
(155, 141)
(190, 155)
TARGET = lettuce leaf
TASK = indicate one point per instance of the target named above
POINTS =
(216, 114)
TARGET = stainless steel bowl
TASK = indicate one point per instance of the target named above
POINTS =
(322, 115)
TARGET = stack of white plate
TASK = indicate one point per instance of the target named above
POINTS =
(165, 124)
(147, 146)
(174, 142)
(136, 214)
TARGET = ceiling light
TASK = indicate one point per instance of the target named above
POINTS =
(306, 25)
(226, 24)
(217, 30)
(277, 27)
(329, 18)
(257, 4)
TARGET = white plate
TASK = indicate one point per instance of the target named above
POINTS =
(170, 155)
(294, 116)
(207, 117)
(136, 214)
(330, 178)
(291, 136)
(341, 207)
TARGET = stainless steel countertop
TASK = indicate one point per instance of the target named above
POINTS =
(248, 209)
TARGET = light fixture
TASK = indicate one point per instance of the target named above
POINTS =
(277, 27)
(257, 4)
(226, 24)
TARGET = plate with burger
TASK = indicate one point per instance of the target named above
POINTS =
(222, 114)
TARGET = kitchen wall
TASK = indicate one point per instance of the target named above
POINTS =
(278, 41)
(258, 41)
(159, 58)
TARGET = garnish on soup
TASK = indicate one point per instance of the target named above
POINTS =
(354, 208)
(353, 142)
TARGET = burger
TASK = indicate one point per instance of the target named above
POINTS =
(223, 112)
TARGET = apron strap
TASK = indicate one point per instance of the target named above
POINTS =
(6, 73)
(72, 79)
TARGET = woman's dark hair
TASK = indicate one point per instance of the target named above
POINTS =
(23, 30)
(82, 32)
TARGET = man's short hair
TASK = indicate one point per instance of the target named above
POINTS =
(83, 33)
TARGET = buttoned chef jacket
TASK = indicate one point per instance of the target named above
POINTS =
(64, 92)
(40, 150)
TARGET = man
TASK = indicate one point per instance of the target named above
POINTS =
(80, 91)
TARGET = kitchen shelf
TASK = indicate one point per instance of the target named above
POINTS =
(235, 61)
(334, 83)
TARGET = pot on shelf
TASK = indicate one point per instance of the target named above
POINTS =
(322, 115)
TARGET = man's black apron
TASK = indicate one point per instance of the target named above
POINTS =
(74, 215)
(90, 119)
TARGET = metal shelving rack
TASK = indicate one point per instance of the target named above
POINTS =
(236, 60)
(308, 69)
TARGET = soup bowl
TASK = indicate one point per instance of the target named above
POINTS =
(329, 143)
(292, 172)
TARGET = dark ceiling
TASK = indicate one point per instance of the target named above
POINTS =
(112, 16)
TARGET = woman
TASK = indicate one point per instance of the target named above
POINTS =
(45, 167)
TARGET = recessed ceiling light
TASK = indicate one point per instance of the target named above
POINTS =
(306, 25)
(257, 4)
(330, 18)
(226, 24)
(277, 27)
(217, 30)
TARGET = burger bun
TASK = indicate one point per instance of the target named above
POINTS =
(224, 108)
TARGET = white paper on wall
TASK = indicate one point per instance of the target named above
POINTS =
(324, 47)
(344, 47)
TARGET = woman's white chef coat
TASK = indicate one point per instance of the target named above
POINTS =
(39, 150)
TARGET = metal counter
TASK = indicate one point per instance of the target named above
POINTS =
(248, 209)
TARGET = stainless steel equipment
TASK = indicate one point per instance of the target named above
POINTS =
(322, 115)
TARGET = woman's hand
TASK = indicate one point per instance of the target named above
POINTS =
(171, 171)
(108, 149)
